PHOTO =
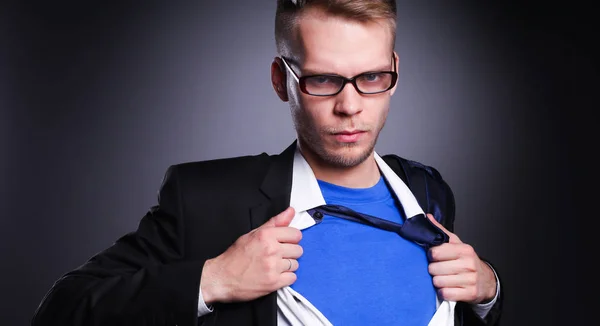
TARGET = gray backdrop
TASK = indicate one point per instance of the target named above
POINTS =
(98, 100)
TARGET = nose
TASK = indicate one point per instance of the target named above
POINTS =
(348, 101)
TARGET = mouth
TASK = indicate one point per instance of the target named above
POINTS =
(349, 136)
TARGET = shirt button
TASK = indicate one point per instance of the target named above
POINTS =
(318, 215)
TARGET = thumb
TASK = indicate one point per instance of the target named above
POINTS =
(282, 219)
(453, 238)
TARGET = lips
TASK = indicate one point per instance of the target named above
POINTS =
(349, 132)
(349, 136)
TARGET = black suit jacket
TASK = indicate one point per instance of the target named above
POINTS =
(152, 276)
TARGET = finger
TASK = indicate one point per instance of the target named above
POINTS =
(288, 265)
(445, 251)
(285, 218)
(453, 237)
(451, 267)
(287, 234)
(456, 294)
(293, 251)
(454, 281)
(282, 219)
(286, 279)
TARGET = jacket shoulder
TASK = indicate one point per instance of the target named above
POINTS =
(411, 167)
(432, 192)
(217, 176)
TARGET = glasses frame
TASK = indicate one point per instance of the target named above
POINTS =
(301, 80)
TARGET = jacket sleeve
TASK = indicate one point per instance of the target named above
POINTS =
(142, 279)
(441, 201)
(468, 317)
(436, 197)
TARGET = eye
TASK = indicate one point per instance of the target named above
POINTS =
(321, 79)
(371, 77)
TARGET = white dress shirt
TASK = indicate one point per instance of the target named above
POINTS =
(295, 310)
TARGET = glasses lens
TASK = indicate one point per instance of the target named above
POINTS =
(323, 85)
(374, 82)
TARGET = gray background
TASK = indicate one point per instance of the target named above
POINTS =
(98, 100)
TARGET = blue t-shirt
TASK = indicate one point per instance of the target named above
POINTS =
(356, 274)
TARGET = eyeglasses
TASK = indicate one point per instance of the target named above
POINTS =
(329, 84)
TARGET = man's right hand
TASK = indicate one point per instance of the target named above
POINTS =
(257, 263)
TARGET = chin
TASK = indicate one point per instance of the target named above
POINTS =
(346, 155)
(337, 154)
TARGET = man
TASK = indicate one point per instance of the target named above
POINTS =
(240, 241)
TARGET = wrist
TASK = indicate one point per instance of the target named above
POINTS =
(211, 288)
(491, 284)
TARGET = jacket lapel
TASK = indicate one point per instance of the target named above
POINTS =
(276, 187)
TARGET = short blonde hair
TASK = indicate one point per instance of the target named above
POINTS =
(359, 10)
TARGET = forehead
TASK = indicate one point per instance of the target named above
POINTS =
(334, 43)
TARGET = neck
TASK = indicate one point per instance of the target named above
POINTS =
(364, 175)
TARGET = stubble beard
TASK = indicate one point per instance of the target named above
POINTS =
(312, 141)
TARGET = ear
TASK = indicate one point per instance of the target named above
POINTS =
(278, 79)
(397, 59)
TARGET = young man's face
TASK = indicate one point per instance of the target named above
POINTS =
(339, 130)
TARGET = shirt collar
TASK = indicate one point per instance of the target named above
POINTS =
(306, 192)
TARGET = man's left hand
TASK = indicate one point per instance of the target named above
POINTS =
(458, 273)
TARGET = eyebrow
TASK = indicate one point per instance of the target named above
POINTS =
(313, 71)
